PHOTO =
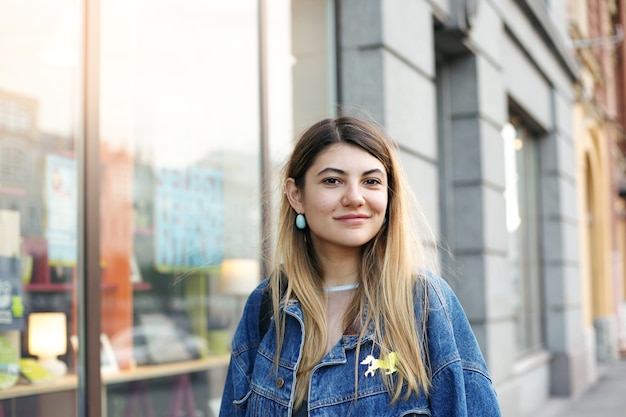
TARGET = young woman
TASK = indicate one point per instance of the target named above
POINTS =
(360, 323)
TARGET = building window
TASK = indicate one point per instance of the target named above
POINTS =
(522, 221)
(40, 86)
(13, 117)
(181, 209)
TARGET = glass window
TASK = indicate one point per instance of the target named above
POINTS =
(180, 194)
(180, 182)
(522, 217)
(40, 124)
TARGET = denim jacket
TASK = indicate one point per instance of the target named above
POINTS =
(461, 385)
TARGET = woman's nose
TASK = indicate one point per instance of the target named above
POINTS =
(352, 197)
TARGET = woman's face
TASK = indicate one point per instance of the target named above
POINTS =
(344, 198)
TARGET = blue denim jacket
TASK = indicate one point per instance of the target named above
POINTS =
(461, 385)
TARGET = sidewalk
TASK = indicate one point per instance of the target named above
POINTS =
(605, 398)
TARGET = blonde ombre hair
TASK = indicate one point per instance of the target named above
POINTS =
(391, 282)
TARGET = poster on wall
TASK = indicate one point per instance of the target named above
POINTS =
(11, 288)
(11, 294)
(61, 209)
(188, 218)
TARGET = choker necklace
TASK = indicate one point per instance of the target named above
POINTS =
(341, 288)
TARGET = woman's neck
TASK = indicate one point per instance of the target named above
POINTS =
(335, 278)
(339, 271)
(340, 265)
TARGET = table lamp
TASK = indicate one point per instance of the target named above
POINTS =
(47, 339)
(240, 276)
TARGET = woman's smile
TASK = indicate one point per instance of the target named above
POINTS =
(353, 218)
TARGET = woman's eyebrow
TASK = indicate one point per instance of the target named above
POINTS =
(374, 171)
(331, 170)
(342, 172)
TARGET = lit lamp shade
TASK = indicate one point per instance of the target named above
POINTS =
(47, 339)
(239, 276)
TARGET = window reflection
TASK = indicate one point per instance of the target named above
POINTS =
(39, 127)
(180, 188)
(522, 220)
(180, 226)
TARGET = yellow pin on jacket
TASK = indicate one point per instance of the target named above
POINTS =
(387, 363)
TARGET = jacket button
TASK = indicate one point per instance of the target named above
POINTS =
(280, 382)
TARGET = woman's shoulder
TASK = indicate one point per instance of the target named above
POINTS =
(257, 297)
(247, 332)
(450, 335)
(258, 292)
(436, 289)
(441, 300)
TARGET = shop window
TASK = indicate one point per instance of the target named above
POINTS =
(180, 194)
(180, 181)
(522, 221)
(39, 89)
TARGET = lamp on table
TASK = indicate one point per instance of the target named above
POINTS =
(47, 339)
(239, 276)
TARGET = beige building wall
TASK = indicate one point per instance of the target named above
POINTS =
(597, 228)
(595, 136)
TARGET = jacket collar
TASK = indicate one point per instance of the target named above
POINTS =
(293, 308)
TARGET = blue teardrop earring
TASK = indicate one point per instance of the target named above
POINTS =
(300, 221)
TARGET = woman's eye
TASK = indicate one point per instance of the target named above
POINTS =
(331, 180)
(372, 181)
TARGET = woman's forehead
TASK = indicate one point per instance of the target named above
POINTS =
(346, 154)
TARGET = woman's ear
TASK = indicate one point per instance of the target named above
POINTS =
(294, 195)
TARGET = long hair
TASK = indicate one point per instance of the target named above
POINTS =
(390, 268)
